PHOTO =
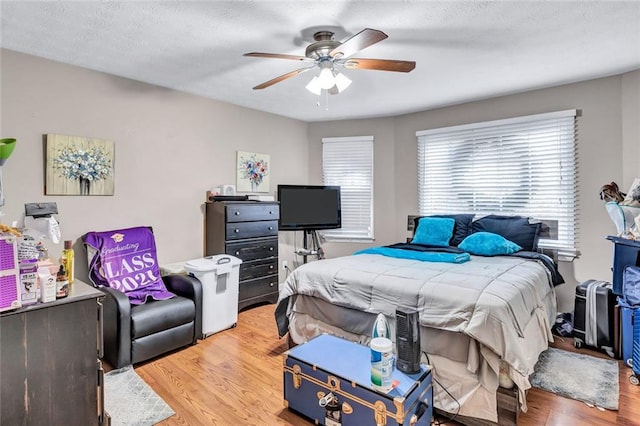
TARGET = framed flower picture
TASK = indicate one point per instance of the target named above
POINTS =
(252, 172)
(77, 165)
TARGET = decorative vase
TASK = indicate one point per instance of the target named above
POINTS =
(84, 186)
(254, 186)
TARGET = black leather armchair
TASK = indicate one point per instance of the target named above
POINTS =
(136, 333)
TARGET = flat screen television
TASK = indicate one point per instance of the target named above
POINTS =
(309, 207)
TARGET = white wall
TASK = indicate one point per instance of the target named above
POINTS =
(171, 147)
(382, 130)
(630, 128)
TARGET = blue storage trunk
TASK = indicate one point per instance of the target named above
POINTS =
(329, 365)
(626, 252)
(629, 300)
(626, 327)
(636, 343)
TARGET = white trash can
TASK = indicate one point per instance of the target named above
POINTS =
(219, 276)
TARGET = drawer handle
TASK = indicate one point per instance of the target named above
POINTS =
(270, 211)
(237, 253)
(270, 266)
(271, 228)
(270, 248)
(236, 230)
(272, 284)
(237, 213)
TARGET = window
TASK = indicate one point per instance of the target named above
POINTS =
(348, 162)
(520, 166)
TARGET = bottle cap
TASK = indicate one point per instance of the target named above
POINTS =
(68, 244)
(381, 344)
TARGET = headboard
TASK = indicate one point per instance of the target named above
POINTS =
(548, 231)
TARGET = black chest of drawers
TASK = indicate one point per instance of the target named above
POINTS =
(249, 231)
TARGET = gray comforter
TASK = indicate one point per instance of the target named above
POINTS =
(491, 299)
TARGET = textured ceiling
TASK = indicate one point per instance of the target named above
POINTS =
(464, 50)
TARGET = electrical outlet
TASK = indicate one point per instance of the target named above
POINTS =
(285, 265)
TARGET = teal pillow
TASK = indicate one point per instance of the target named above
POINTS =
(488, 244)
(434, 231)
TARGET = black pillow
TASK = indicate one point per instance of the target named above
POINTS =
(513, 228)
(461, 229)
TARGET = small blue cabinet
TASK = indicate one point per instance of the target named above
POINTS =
(626, 252)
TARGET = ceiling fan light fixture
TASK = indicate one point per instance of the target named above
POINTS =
(314, 86)
(326, 78)
(325, 52)
(342, 82)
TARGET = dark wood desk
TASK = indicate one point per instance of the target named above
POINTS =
(49, 369)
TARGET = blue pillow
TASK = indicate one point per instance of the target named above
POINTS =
(513, 228)
(461, 229)
(434, 231)
(488, 244)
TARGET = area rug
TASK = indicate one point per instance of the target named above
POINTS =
(578, 376)
(130, 401)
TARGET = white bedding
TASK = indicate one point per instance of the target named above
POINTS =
(505, 306)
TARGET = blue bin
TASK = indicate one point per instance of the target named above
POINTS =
(626, 252)
(626, 326)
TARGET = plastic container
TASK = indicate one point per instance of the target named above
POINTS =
(67, 260)
(381, 363)
(9, 273)
(62, 283)
(220, 276)
(47, 284)
(29, 292)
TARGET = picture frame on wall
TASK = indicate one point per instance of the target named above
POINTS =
(253, 170)
(77, 165)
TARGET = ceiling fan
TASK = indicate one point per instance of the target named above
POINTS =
(327, 54)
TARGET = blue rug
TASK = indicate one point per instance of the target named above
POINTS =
(578, 376)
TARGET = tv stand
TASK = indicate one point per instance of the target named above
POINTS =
(314, 250)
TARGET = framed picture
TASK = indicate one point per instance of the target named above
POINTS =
(252, 172)
(77, 165)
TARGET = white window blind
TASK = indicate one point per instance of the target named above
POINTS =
(348, 163)
(521, 166)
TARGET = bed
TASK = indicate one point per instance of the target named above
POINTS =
(484, 318)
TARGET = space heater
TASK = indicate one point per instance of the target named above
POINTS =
(408, 340)
(9, 273)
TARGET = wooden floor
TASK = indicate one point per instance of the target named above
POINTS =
(235, 378)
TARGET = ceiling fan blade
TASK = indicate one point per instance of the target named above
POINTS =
(363, 39)
(379, 64)
(278, 56)
(281, 78)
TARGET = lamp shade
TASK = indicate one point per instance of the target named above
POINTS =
(6, 148)
(314, 86)
(326, 79)
(342, 82)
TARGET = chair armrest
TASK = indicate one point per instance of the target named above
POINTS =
(191, 288)
(116, 327)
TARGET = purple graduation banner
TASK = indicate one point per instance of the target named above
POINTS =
(126, 260)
